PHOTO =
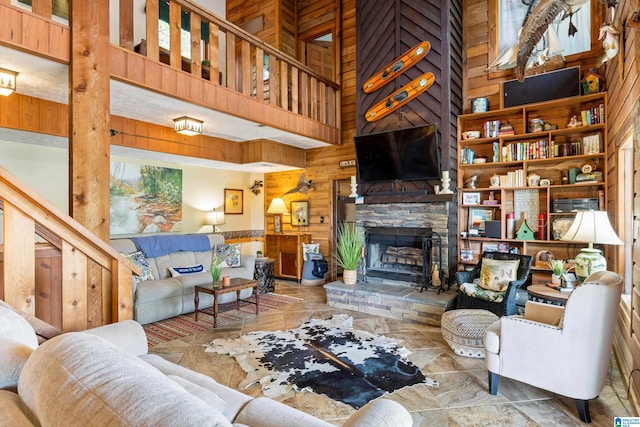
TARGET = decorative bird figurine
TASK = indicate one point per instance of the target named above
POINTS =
(610, 43)
(535, 27)
(303, 186)
(255, 188)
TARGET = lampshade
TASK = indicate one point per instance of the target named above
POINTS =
(7, 82)
(277, 206)
(187, 126)
(214, 218)
(591, 227)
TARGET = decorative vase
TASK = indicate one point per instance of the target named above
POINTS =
(216, 270)
(555, 279)
(588, 261)
(350, 277)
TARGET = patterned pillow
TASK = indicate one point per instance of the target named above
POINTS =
(140, 260)
(229, 253)
(495, 275)
(179, 271)
(476, 291)
(308, 249)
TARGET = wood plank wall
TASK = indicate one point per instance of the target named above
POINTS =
(623, 86)
(241, 12)
(322, 164)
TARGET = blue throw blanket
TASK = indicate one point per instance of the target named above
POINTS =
(153, 246)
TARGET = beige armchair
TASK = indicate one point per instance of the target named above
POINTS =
(580, 333)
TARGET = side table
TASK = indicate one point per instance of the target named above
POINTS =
(548, 295)
(264, 273)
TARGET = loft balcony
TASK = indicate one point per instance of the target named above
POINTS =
(169, 57)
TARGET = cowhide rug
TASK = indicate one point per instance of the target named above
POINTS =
(325, 356)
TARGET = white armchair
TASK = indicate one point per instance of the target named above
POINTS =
(580, 333)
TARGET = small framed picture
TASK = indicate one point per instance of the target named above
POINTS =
(233, 201)
(300, 213)
(478, 217)
(490, 247)
(277, 223)
(471, 198)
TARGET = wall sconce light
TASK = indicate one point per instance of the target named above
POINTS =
(187, 126)
(214, 218)
(7, 82)
(277, 208)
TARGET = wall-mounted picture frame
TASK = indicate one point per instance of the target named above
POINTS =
(300, 213)
(233, 201)
(490, 247)
(478, 217)
(470, 198)
(277, 223)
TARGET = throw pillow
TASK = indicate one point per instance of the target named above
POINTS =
(140, 260)
(178, 271)
(229, 254)
(308, 249)
(495, 275)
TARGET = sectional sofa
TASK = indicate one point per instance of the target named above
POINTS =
(105, 377)
(162, 293)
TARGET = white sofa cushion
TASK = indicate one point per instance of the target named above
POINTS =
(117, 389)
(13, 356)
(15, 327)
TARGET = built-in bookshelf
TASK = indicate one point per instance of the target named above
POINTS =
(549, 155)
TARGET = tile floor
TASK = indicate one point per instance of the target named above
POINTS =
(461, 399)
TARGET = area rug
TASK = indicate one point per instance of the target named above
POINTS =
(185, 324)
(324, 356)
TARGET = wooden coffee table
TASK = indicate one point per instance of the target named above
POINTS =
(236, 286)
(546, 294)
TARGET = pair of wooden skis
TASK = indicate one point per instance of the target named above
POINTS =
(408, 91)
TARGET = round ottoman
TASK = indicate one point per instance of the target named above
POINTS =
(463, 330)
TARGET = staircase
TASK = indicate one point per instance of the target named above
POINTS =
(92, 287)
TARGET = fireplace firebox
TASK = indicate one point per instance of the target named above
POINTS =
(399, 254)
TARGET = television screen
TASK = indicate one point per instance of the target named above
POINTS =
(403, 154)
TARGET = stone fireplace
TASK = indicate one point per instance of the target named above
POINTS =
(397, 294)
(398, 254)
(411, 222)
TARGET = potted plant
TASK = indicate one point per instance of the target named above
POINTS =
(258, 254)
(216, 269)
(349, 251)
(557, 267)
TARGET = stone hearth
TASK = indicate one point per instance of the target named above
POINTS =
(393, 301)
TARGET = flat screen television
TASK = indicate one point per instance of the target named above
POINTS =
(409, 154)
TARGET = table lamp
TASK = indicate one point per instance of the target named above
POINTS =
(277, 208)
(591, 227)
(214, 218)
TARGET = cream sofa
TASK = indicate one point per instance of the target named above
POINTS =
(105, 377)
(167, 296)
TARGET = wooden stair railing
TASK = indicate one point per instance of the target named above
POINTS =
(85, 301)
(290, 85)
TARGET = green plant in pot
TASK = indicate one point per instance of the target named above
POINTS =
(349, 251)
(216, 269)
(558, 268)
